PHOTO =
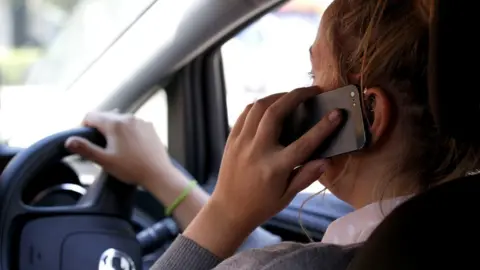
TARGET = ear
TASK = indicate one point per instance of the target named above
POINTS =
(379, 107)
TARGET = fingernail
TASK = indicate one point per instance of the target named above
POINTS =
(334, 116)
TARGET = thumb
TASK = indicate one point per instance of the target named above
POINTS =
(86, 149)
(305, 176)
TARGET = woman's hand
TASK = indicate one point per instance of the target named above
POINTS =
(135, 155)
(134, 152)
(259, 177)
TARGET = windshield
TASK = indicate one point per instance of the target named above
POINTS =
(45, 46)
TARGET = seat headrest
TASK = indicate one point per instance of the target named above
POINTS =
(429, 231)
(454, 91)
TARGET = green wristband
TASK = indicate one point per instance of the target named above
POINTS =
(180, 198)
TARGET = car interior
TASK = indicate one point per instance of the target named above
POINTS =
(50, 220)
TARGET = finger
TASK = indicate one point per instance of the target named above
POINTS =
(86, 149)
(298, 151)
(273, 118)
(237, 128)
(101, 120)
(255, 115)
(305, 176)
(98, 120)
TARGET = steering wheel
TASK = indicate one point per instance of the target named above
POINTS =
(93, 234)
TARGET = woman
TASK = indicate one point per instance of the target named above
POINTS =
(381, 45)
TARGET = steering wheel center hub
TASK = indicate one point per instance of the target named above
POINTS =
(80, 240)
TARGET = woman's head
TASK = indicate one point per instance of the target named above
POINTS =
(382, 45)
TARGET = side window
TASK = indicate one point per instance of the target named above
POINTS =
(155, 110)
(271, 56)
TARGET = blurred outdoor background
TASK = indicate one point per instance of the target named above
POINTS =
(46, 46)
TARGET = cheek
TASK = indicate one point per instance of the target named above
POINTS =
(326, 79)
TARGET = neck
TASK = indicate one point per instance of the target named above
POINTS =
(373, 186)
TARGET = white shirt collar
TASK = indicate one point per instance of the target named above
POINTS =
(357, 226)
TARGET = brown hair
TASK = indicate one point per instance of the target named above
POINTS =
(385, 43)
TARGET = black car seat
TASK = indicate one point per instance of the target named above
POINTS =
(440, 229)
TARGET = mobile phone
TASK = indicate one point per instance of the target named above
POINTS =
(351, 135)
